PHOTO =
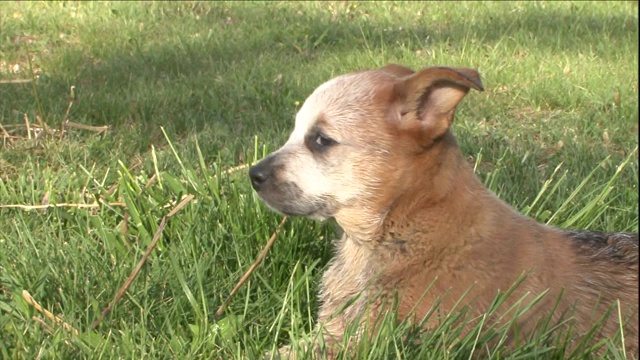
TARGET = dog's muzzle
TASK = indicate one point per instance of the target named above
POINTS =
(261, 172)
(285, 196)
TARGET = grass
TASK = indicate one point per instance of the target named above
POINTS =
(190, 89)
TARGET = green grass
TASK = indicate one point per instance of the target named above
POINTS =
(550, 134)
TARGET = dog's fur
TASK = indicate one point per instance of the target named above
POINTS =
(373, 150)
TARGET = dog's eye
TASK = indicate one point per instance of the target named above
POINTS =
(324, 141)
(318, 142)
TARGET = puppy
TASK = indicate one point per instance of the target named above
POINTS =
(374, 151)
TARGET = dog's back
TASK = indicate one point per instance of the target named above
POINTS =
(607, 278)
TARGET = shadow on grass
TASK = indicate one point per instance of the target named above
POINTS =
(222, 69)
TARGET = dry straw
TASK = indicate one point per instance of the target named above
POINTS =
(134, 273)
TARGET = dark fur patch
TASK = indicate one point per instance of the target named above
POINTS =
(619, 247)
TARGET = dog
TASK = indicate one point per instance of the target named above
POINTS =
(374, 151)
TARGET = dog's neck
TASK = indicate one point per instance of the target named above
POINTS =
(442, 193)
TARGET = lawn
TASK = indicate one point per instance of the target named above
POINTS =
(116, 114)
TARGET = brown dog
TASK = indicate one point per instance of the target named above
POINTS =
(373, 150)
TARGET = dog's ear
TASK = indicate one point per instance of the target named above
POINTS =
(397, 70)
(427, 99)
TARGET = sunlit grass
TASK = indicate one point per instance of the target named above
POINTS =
(189, 90)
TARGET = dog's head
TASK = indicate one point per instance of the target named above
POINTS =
(354, 139)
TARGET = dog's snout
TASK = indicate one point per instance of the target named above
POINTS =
(260, 173)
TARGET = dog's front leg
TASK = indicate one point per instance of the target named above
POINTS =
(344, 295)
(306, 350)
(340, 305)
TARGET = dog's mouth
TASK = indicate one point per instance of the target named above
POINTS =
(288, 199)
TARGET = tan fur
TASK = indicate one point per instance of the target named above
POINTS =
(414, 214)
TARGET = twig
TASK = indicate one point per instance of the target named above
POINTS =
(180, 205)
(46, 206)
(124, 228)
(26, 121)
(66, 118)
(45, 201)
(43, 125)
(11, 126)
(31, 301)
(110, 191)
(151, 180)
(251, 269)
(46, 326)
(12, 137)
(16, 81)
(5, 134)
(234, 169)
(98, 129)
(134, 273)
(123, 289)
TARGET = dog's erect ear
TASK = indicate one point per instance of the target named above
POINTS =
(427, 99)
(397, 70)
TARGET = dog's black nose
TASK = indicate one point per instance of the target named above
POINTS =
(259, 174)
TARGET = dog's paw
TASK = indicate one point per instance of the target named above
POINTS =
(306, 352)
(283, 353)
